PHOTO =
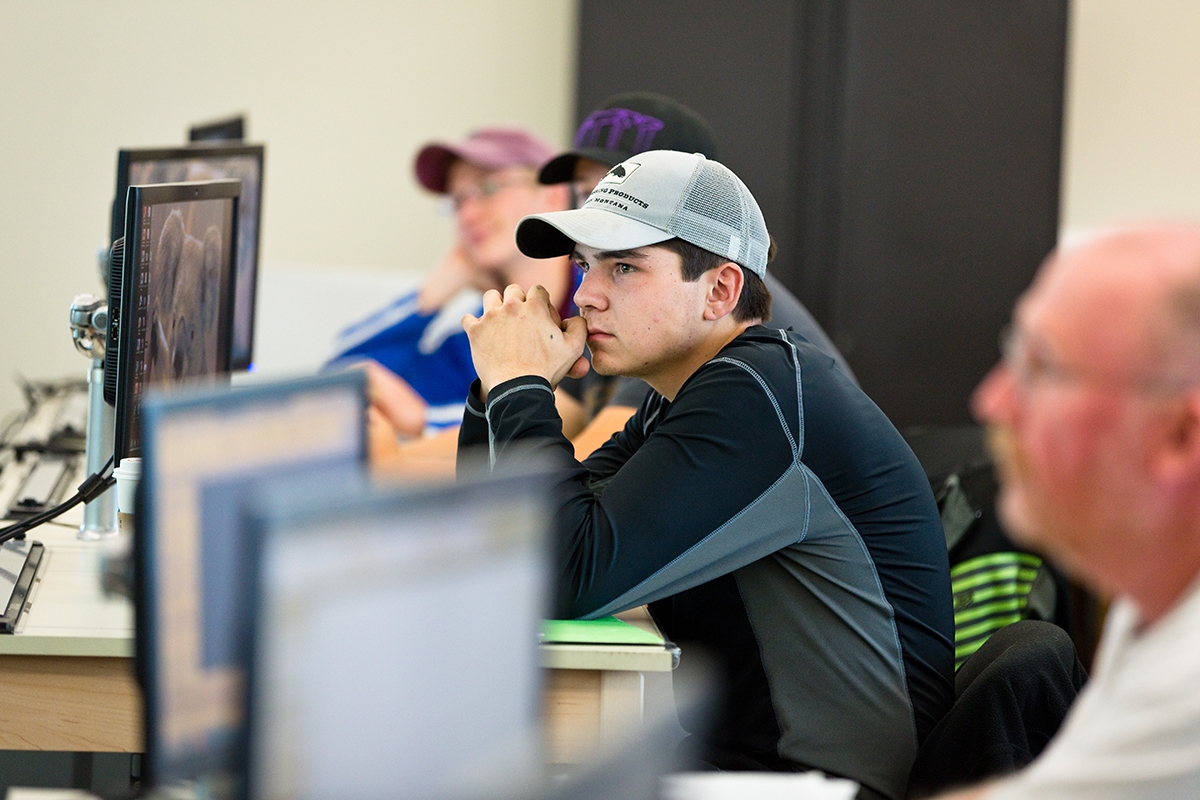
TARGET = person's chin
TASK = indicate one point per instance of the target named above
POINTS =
(603, 363)
(1012, 509)
(485, 256)
(1013, 502)
(604, 367)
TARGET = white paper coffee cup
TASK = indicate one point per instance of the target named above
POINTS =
(127, 473)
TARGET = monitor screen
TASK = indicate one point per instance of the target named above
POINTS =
(173, 318)
(201, 162)
(395, 643)
(205, 453)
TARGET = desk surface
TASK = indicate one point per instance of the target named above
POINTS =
(67, 614)
(625, 657)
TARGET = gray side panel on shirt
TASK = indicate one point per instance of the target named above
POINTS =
(848, 712)
(773, 521)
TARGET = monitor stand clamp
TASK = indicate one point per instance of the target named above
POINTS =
(89, 327)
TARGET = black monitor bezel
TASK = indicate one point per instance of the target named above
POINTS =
(228, 129)
(139, 197)
(147, 577)
(126, 157)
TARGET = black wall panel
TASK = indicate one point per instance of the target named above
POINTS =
(905, 154)
(732, 62)
(951, 134)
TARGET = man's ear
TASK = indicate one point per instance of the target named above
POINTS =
(724, 290)
(1179, 451)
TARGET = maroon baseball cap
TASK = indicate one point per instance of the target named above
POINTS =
(489, 148)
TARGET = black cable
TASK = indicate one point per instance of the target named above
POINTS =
(98, 484)
(92, 487)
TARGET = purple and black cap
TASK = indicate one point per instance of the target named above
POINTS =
(489, 148)
(629, 124)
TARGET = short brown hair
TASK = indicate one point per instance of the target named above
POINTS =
(755, 300)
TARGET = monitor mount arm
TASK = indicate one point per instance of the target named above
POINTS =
(89, 329)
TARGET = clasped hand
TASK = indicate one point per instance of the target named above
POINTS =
(522, 334)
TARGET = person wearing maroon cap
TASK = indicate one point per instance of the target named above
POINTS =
(417, 356)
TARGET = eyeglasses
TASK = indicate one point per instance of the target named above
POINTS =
(580, 191)
(484, 190)
(1031, 362)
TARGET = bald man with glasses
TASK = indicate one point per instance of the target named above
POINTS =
(1093, 417)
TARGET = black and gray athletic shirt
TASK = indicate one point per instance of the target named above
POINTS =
(773, 516)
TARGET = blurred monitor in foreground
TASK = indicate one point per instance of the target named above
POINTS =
(396, 644)
(205, 456)
(170, 296)
(200, 162)
(231, 129)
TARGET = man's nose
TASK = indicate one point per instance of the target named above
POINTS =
(588, 295)
(467, 209)
(994, 398)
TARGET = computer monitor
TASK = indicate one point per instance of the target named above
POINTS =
(205, 454)
(209, 161)
(395, 644)
(173, 318)
(221, 130)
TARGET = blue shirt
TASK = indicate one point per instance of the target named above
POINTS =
(429, 351)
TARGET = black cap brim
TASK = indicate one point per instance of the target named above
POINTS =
(539, 239)
(561, 169)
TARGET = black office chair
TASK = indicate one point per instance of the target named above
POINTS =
(1012, 696)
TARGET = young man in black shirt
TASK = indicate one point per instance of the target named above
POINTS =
(758, 501)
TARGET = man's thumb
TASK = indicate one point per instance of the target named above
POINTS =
(575, 330)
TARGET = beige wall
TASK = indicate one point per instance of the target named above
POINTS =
(342, 93)
(1132, 140)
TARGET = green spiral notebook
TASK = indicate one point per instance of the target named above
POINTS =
(608, 630)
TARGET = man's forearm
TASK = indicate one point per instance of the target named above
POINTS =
(519, 410)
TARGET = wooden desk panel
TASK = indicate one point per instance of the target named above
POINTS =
(70, 703)
(571, 714)
(595, 694)
(587, 711)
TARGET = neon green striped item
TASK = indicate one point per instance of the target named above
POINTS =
(990, 591)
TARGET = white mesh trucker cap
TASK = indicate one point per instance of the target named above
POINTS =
(650, 198)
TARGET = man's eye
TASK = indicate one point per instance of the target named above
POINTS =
(583, 267)
(624, 269)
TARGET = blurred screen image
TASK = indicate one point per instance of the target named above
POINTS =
(180, 283)
(248, 170)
